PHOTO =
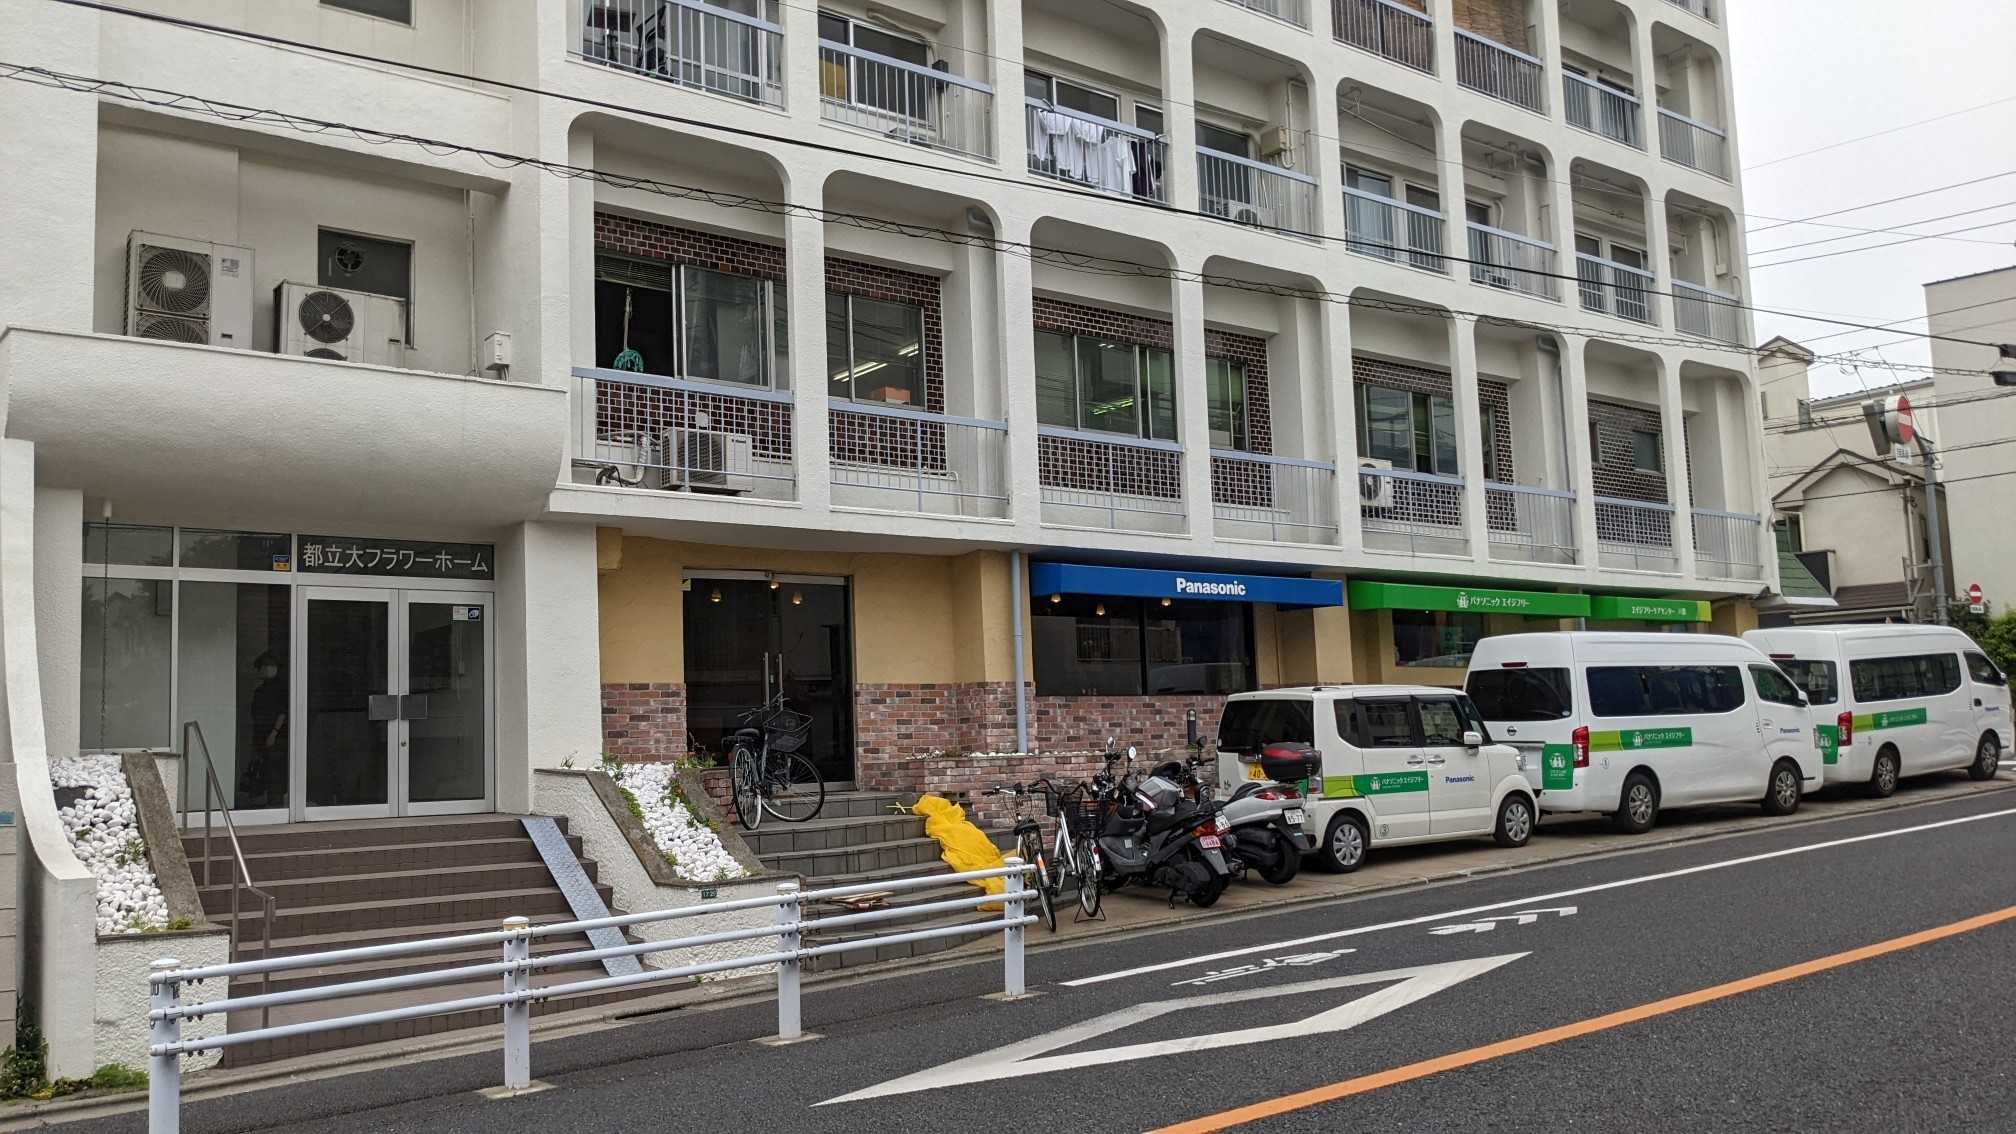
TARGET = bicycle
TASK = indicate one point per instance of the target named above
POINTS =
(1073, 853)
(766, 769)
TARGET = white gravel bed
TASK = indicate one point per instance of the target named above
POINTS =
(693, 848)
(104, 829)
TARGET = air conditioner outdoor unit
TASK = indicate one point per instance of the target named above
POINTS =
(339, 325)
(704, 460)
(624, 458)
(1375, 491)
(188, 291)
(1258, 216)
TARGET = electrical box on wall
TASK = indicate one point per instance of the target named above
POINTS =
(496, 355)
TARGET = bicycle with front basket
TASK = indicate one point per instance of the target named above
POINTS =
(767, 771)
(1073, 853)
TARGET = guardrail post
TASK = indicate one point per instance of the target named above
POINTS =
(1011, 937)
(789, 911)
(517, 1013)
(164, 1072)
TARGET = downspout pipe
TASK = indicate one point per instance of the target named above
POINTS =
(1018, 586)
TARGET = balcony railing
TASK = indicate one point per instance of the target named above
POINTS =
(1491, 68)
(1702, 8)
(1530, 525)
(1513, 262)
(901, 100)
(1728, 545)
(1591, 106)
(690, 43)
(1276, 499)
(1619, 289)
(1100, 480)
(1289, 11)
(1399, 33)
(682, 435)
(1635, 535)
(1416, 513)
(1693, 143)
(1098, 153)
(907, 460)
(1392, 230)
(1708, 313)
(1251, 192)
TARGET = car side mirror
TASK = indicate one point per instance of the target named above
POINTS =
(1473, 739)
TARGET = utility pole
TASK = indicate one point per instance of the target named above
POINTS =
(1890, 425)
(1933, 533)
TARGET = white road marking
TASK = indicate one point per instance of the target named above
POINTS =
(1293, 960)
(1487, 924)
(1028, 1057)
(1704, 868)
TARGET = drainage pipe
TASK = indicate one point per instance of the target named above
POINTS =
(1018, 586)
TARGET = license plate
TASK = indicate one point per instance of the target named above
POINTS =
(1256, 772)
(1208, 842)
(1293, 815)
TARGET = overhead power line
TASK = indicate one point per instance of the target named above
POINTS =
(1886, 201)
(1898, 228)
(1887, 244)
(1881, 133)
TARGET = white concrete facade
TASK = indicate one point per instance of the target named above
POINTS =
(1979, 308)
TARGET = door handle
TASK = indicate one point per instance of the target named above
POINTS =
(414, 707)
(382, 707)
(1977, 702)
(1436, 761)
(1417, 759)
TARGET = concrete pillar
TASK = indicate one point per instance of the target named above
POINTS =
(1004, 43)
(60, 129)
(1449, 179)
(1339, 393)
(1314, 646)
(1186, 312)
(549, 658)
(801, 60)
(1659, 261)
(1014, 289)
(1179, 94)
(1469, 434)
(1673, 426)
(1444, 14)
(59, 612)
(1645, 77)
(805, 303)
(1328, 164)
(1581, 462)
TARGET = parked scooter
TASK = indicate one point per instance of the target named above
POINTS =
(1155, 835)
(1265, 817)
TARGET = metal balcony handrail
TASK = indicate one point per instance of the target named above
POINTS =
(922, 72)
(1620, 502)
(689, 385)
(1512, 236)
(1406, 11)
(1492, 43)
(1257, 166)
(213, 794)
(1529, 490)
(727, 14)
(1377, 199)
(1298, 18)
(1752, 517)
(1121, 440)
(1273, 459)
(1122, 127)
(1411, 475)
(909, 413)
(1600, 87)
(1593, 259)
(1694, 122)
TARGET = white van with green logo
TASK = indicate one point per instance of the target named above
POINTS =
(1401, 764)
(1632, 723)
(1894, 701)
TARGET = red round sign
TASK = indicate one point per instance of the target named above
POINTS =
(1904, 427)
(1973, 592)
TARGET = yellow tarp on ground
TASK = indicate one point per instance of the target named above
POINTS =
(960, 843)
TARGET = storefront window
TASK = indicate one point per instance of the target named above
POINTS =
(127, 645)
(234, 654)
(1437, 639)
(126, 545)
(1088, 645)
(236, 551)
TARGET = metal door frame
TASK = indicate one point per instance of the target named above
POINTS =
(401, 764)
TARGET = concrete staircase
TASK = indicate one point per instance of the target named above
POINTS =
(342, 885)
(859, 837)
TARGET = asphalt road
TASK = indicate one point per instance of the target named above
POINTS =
(1172, 1026)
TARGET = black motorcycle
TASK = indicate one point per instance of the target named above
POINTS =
(1155, 835)
(1261, 839)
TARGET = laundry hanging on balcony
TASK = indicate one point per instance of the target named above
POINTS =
(1083, 150)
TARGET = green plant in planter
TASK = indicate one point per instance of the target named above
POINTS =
(613, 768)
(133, 853)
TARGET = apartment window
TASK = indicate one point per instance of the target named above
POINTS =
(1225, 396)
(1645, 454)
(1435, 639)
(1070, 96)
(1087, 645)
(1221, 140)
(1413, 431)
(398, 11)
(367, 263)
(1805, 414)
(1789, 534)
(1149, 118)
(685, 322)
(1664, 690)
(886, 88)
(1889, 679)
(1090, 383)
(874, 350)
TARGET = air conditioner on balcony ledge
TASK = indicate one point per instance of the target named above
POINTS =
(704, 460)
(1375, 491)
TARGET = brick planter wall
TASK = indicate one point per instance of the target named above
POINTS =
(644, 721)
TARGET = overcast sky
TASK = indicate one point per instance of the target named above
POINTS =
(1813, 72)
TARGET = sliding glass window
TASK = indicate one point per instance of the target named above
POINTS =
(875, 350)
(680, 321)
(1083, 382)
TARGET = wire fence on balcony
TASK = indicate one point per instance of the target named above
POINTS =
(1529, 524)
(1251, 192)
(1097, 153)
(690, 43)
(923, 106)
(1289, 11)
(1618, 289)
(1702, 8)
(1635, 535)
(1599, 109)
(1417, 513)
(1708, 313)
(1392, 230)
(907, 460)
(1693, 143)
(1513, 262)
(1277, 499)
(1399, 33)
(1100, 480)
(681, 435)
(1728, 545)
(1491, 68)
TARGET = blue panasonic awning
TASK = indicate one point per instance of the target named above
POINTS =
(1134, 582)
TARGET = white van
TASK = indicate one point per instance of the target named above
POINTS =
(1401, 764)
(1896, 701)
(1630, 723)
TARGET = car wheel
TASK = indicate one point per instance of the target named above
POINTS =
(1781, 795)
(1344, 844)
(1987, 758)
(1883, 776)
(1515, 821)
(1637, 805)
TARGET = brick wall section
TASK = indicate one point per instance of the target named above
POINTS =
(644, 721)
(651, 240)
(1502, 20)
(1078, 319)
(1613, 424)
(1493, 397)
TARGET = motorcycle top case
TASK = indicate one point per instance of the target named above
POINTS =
(1291, 763)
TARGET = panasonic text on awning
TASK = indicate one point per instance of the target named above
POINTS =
(1135, 582)
(1199, 587)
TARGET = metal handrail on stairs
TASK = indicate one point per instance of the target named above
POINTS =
(213, 793)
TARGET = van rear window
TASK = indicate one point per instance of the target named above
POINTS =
(1820, 679)
(1664, 690)
(1249, 726)
(1521, 694)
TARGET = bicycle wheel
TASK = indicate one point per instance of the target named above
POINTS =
(1087, 853)
(793, 790)
(1031, 851)
(745, 779)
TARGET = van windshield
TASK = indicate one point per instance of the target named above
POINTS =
(1521, 694)
(1820, 679)
(1249, 726)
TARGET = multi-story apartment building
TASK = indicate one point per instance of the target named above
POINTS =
(980, 374)
(1975, 309)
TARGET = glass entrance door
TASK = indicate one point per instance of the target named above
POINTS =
(395, 689)
(749, 637)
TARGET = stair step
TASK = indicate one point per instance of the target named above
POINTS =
(857, 804)
(357, 834)
(356, 918)
(855, 858)
(250, 947)
(886, 874)
(280, 866)
(295, 895)
(827, 833)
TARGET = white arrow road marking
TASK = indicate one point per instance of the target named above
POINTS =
(1487, 924)
(1027, 1056)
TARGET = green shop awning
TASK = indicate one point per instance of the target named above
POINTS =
(1627, 608)
(1366, 595)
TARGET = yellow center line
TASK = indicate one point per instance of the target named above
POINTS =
(1315, 1097)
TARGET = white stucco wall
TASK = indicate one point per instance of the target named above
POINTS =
(1981, 308)
(119, 1025)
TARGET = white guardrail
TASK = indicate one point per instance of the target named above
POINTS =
(166, 1010)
